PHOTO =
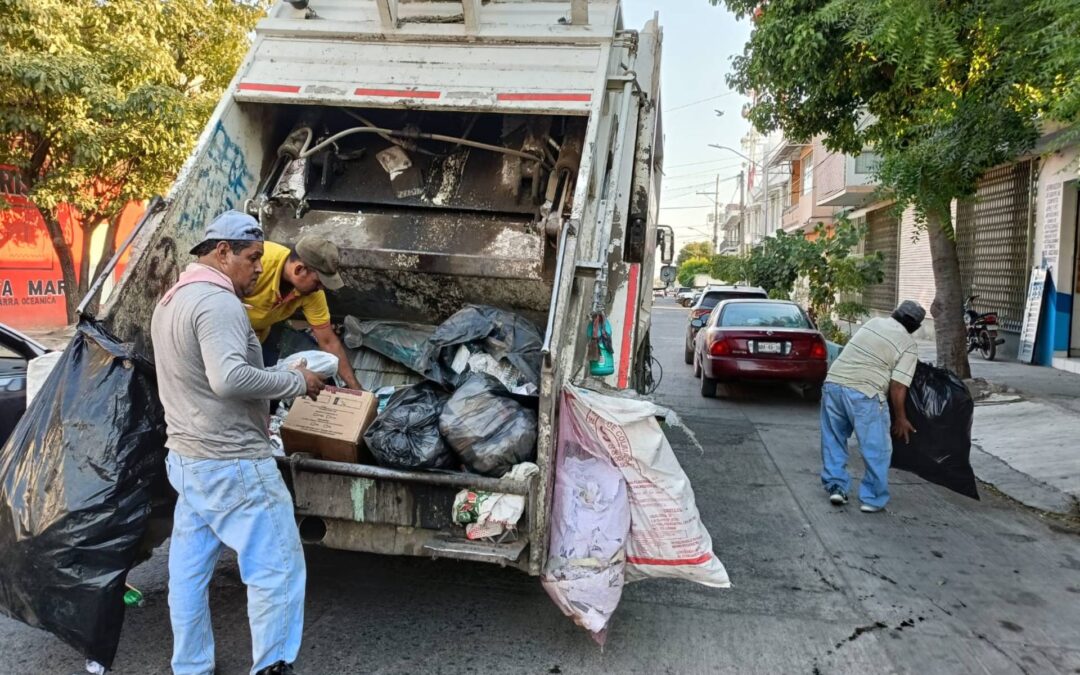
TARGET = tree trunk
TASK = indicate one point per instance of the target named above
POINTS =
(107, 251)
(67, 264)
(948, 306)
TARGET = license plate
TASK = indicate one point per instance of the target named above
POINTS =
(768, 347)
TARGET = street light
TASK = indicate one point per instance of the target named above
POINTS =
(765, 178)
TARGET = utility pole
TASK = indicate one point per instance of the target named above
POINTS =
(742, 212)
(716, 217)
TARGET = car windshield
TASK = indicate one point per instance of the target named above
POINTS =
(716, 297)
(762, 315)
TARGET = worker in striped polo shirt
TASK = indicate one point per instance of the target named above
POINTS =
(879, 361)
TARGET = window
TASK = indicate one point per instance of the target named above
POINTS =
(763, 315)
(710, 300)
(867, 163)
(807, 174)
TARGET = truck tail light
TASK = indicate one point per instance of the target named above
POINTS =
(698, 313)
(720, 348)
(818, 350)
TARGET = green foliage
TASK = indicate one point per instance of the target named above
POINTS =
(729, 268)
(695, 249)
(944, 91)
(101, 102)
(691, 268)
(831, 269)
(774, 264)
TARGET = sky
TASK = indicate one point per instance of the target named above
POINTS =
(699, 41)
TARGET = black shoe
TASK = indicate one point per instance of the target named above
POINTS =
(837, 496)
(279, 668)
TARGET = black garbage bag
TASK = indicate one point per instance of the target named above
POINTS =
(405, 435)
(489, 430)
(79, 477)
(502, 334)
(404, 343)
(941, 409)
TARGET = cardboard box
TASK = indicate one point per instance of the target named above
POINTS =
(331, 428)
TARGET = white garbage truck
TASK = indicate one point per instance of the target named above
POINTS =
(496, 152)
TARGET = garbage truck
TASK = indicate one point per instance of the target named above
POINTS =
(497, 152)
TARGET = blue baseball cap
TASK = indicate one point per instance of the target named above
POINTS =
(232, 226)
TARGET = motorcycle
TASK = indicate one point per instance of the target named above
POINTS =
(982, 331)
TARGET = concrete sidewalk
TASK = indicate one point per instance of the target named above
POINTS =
(1025, 440)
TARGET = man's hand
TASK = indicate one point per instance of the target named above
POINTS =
(902, 428)
(314, 383)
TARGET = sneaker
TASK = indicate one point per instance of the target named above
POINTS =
(866, 508)
(837, 496)
(279, 668)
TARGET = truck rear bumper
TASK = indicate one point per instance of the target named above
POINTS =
(359, 507)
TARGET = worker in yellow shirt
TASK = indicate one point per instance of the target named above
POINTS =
(294, 279)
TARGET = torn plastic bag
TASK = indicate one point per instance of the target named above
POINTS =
(404, 343)
(941, 409)
(487, 429)
(668, 538)
(80, 476)
(405, 435)
(590, 524)
(321, 363)
(502, 334)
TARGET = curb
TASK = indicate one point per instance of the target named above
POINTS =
(1020, 486)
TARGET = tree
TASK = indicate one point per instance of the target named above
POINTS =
(729, 268)
(942, 90)
(695, 249)
(833, 271)
(774, 264)
(692, 267)
(101, 102)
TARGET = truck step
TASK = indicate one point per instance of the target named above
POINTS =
(478, 551)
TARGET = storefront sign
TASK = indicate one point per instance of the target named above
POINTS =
(1051, 225)
(1029, 330)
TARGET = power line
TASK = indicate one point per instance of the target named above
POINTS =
(693, 103)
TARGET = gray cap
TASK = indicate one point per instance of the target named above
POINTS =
(322, 256)
(911, 310)
(232, 226)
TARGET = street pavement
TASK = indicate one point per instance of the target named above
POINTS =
(938, 583)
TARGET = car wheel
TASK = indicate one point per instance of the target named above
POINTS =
(812, 393)
(697, 367)
(708, 387)
(688, 355)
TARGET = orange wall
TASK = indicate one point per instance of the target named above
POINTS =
(31, 283)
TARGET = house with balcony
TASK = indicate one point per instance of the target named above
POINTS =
(803, 211)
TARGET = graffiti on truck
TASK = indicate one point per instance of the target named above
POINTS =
(220, 182)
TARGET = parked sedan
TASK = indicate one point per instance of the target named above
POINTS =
(703, 306)
(16, 350)
(760, 341)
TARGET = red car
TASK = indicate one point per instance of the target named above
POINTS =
(760, 341)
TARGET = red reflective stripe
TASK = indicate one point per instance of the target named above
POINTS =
(397, 93)
(629, 319)
(585, 98)
(259, 86)
(700, 560)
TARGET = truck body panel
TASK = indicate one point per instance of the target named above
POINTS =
(543, 202)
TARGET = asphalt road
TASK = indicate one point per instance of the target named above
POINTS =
(936, 584)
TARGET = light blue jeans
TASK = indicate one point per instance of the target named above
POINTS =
(242, 504)
(843, 411)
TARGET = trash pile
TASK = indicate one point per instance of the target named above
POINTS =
(83, 493)
(474, 409)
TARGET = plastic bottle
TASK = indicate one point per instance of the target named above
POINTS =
(606, 364)
(133, 597)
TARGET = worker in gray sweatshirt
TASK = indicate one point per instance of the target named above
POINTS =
(216, 395)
